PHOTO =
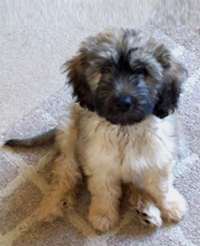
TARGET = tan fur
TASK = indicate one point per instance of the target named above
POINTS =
(110, 154)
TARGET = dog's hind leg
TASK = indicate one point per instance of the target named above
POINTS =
(66, 175)
(144, 205)
(160, 185)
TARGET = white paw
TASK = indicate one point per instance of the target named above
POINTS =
(149, 215)
(174, 207)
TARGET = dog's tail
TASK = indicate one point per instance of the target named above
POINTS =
(47, 138)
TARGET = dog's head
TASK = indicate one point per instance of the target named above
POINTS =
(125, 76)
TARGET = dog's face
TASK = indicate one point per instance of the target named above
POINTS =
(125, 76)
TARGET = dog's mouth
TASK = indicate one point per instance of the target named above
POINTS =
(125, 118)
(124, 110)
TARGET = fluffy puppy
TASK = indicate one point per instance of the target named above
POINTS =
(122, 129)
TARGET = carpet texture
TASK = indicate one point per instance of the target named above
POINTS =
(24, 175)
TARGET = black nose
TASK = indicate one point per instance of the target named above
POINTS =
(123, 103)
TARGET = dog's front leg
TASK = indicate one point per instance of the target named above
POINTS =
(66, 175)
(105, 191)
(159, 184)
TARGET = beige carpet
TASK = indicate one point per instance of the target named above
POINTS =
(33, 96)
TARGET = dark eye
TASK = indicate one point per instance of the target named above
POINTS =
(142, 71)
(106, 69)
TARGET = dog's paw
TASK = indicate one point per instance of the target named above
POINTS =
(149, 214)
(103, 222)
(174, 207)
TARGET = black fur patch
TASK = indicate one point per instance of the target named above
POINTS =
(81, 89)
(168, 96)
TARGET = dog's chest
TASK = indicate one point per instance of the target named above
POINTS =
(124, 151)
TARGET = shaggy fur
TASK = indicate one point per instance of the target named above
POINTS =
(120, 130)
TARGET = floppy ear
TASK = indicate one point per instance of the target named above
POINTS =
(170, 90)
(76, 69)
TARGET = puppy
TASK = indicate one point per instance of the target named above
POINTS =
(122, 129)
